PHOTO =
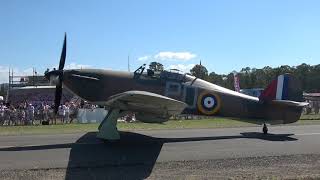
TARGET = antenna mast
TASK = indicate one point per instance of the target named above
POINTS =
(128, 63)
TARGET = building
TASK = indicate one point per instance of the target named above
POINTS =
(35, 89)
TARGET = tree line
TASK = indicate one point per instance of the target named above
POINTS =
(308, 75)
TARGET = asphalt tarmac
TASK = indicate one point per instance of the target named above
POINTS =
(189, 153)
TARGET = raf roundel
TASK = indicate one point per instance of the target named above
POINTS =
(208, 103)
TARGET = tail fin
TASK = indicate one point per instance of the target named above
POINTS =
(284, 87)
(283, 97)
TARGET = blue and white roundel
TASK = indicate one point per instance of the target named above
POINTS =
(208, 103)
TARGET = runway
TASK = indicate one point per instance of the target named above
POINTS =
(153, 154)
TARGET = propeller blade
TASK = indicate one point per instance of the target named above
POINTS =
(59, 73)
(63, 53)
(57, 98)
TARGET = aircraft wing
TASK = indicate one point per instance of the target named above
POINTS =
(142, 101)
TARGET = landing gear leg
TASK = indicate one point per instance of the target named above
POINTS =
(265, 129)
(108, 127)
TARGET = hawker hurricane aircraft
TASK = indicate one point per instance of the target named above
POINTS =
(156, 96)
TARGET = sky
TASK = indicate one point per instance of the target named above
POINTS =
(226, 35)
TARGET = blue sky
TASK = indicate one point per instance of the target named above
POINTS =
(226, 35)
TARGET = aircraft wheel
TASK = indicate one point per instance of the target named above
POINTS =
(265, 129)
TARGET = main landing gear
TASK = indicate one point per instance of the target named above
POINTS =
(108, 128)
(265, 129)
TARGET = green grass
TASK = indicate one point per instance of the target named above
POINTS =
(183, 124)
(172, 124)
(50, 129)
(74, 128)
(310, 117)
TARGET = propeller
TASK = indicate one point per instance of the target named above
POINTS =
(63, 53)
(59, 75)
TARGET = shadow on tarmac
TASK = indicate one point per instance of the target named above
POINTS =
(131, 158)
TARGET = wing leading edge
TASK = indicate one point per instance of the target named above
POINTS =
(146, 102)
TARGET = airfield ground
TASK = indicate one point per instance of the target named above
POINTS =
(172, 124)
(166, 151)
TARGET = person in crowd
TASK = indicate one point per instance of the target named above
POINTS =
(2, 109)
(73, 112)
(81, 103)
(6, 118)
(30, 114)
(47, 70)
(67, 112)
(62, 112)
(308, 107)
(21, 115)
(316, 107)
(87, 105)
(52, 115)
(5, 114)
(13, 116)
(46, 112)
(37, 112)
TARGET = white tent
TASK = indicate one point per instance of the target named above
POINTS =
(1, 98)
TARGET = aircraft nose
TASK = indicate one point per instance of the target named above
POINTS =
(53, 76)
(85, 83)
(80, 78)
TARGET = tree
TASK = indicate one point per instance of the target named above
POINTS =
(245, 78)
(308, 76)
(229, 81)
(199, 71)
(302, 73)
(156, 66)
(259, 78)
(215, 78)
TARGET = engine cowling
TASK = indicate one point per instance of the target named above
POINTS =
(151, 118)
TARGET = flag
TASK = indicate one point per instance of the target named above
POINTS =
(236, 82)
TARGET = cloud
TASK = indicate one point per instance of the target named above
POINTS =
(167, 55)
(182, 67)
(77, 66)
(72, 65)
(144, 58)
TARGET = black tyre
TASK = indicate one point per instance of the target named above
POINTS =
(265, 129)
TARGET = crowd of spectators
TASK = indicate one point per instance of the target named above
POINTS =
(29, 113)
(312, 107)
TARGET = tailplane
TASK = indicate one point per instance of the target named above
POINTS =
(283, 99)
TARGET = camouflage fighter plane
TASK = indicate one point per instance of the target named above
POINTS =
(155, 97)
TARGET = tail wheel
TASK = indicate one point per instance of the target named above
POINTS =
(265, 129)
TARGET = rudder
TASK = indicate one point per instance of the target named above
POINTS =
(284, 87)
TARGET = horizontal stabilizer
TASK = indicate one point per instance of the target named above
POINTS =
(289, 103)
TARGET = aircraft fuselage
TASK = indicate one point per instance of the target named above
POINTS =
(202, 97)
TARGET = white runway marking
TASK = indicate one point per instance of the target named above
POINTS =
(31, 145)
(6, 146)
(307, 134)
(92, 143)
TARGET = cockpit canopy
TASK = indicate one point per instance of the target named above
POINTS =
(172, 74)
